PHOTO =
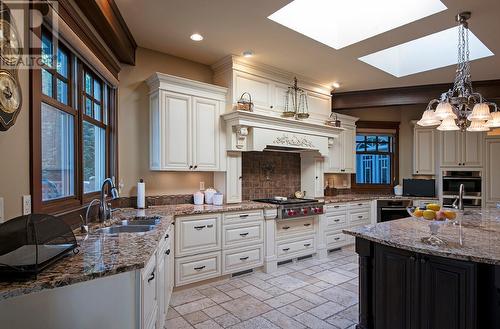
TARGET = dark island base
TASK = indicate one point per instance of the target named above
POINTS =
(400, 289)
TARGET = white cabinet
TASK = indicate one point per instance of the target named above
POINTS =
(491, 178)
(312, 176)
(197, 234)
(461, 149)
(185, 124)
(229, 182)
(424, 143)
(342, 152)
(259, 89)
(165, 285)
(149, 294)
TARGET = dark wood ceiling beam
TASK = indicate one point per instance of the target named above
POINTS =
(105, 16)
(415, 95)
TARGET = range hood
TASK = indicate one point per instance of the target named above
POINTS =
(250, 131)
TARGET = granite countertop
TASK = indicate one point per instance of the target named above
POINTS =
(369, 196)
(480, 234)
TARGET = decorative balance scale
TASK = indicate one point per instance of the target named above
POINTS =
(296, 102)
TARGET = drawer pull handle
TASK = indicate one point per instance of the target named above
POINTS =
(167, 252)
(360, 204)
(244, 234)
(307, 224)
(244, 258)
(199, 268)
(336, 220)
(286, 227)
(199, 227)
(151, 277)
(337, 238)
(244, 216)
(286, 249)
(166, 236)
(336, 206)
(210, 226)
(360, 216)
(307, 244)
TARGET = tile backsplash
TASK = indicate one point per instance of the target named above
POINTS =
(266, 174)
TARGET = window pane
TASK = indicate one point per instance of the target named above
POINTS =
(105, 104)
(47, 50)
(94, 157)
(88, 107)
(57, 154)
(383, 147)
(371, 138)
(97, 111)
(373, 169)
(360, 138)
(62, 63)
(47, 83)
(88, 84)
(360, 146)
(62, 92)
(97, 90)
(383, 139)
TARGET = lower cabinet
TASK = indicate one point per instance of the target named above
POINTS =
(197, 268)
(418, 291)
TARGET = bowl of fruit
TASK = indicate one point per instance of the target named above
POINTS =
(436, 216)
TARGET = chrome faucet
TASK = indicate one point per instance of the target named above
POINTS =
(460, 198)
(105, 208)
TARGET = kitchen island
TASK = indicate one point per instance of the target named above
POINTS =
(407, 283)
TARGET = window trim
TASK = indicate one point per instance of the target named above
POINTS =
(79, 199)
(385, 188)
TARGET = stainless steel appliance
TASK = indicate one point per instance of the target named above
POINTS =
(392, 209)
(295, 208)
(419, 187)
(472, 182)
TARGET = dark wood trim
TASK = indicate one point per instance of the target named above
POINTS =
(107, 19)
(414, 95)
(72, 17)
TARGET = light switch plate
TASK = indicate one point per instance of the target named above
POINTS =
(26, 204)
(2, 216)
(202, 186)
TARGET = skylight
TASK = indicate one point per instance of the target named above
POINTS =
(340, 23)
(427, 53)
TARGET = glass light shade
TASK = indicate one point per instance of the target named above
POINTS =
(480, 112)
(428, 119)
(495, 120)
(448, 124)
(478, 126)
(444, 111)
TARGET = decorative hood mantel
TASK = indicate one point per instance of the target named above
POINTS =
(250, 131)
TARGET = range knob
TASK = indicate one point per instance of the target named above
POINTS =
(289, 212)
(305, 211)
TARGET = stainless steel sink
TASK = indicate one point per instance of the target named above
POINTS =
(153, 220)
(125, 229)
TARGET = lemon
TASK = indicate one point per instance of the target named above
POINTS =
(433, 206)
(450, 214)
(429, 214)
(418, 213)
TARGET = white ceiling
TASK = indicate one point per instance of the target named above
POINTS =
(232, 26)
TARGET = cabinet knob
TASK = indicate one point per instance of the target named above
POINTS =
(166, 236)
(271, 106)
(195, 166)
(151, 277)
(190, 167)
(317, 177)
(240, 178)
(412, 258)
(167, 252)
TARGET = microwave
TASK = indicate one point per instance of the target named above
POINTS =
(419, 187)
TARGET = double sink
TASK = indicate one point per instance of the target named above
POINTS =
(132, 225)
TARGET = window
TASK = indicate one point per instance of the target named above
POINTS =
(72, 119)
(376, 156)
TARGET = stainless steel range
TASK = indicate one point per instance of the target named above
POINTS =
(295, 208)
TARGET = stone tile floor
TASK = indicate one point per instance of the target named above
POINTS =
(310, 293)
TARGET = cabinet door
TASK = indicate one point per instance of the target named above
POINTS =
(161, 290)
(450, 149)
(279, 101)
(394, 289)
(319, 186)
(175, 132)
(349, 141)
(258, 88)
(318, 104)
(233, 177)
(197, 234)
(492, 178)
(334, 162)
(423, 152)
(448, 294)
(205, 134)
(472, 149)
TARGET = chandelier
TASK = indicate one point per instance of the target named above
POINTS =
(460, 108)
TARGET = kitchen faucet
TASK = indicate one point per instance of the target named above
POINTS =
(460, 198)
(105, 208)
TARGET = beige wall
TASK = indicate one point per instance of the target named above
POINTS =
(403, 114)
(133, 124)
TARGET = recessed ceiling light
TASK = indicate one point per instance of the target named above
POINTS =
(196, 37)
(336, 85)
(340, 23)
(247, 53)
(427, 53)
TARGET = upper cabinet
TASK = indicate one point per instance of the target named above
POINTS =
(342, 150)
(424, 150)
(461, 149)
(185, 129)
(491, 178)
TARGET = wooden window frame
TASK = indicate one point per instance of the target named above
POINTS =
(75, 108)
(384, 188)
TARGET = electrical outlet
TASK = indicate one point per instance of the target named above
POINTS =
(202, 186)
(26, 204)
(2, 217)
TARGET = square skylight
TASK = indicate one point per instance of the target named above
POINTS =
(427, 53)
(340, 23)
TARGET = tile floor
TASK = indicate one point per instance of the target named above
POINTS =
(310, 293)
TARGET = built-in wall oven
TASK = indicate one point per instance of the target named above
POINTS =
(392, 209)
(472, 182)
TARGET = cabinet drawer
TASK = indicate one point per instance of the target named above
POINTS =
(197, 234)
(287, 249)
(243, 234)
(361, 205)
(149, 285)
(335, 239)
(295, 226)
(197, 268)
(243, 217)
(242, 259)
(336, 220)
(336, 208)
(359, 218)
